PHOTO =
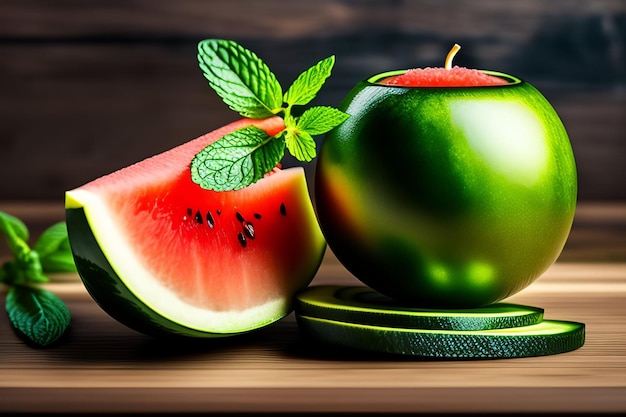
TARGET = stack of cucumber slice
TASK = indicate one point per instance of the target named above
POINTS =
(360, 318)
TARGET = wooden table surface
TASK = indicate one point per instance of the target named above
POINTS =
(102, 366)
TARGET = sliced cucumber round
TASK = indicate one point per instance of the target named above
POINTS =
(549, 337)
(362, 305)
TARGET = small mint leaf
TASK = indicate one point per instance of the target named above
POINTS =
(307, 85)
(301, 145)
(320, 119)
(37, 314)
(54, 250)
(15, 231)
(240, 78)
(237, 160)
(25, 266)
(60, 261)
(26, 269)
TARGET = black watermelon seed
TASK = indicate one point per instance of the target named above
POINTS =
(248, 229)
(209, 219)
(219, 212)
(240, 217)
(283, 209)
(242, 240)
(257, 216)
(198, 217)
(189, 212)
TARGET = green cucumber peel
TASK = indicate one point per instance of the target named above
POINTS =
(549, 337)
(362, 305)
(247, 85)
(36, 313)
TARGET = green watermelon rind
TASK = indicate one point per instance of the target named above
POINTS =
(108, 289)
(103, 284)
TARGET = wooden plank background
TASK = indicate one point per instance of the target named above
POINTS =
(87, 87)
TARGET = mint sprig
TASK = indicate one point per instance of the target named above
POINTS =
(36, 313)
(246, 84)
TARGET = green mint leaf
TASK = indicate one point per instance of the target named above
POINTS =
(320, 119)
(300, 144)
(51, 239)
(54, 249)
(16, 233)
(240, 78)
(37, 314)
(60, 261)
(23, 270)
(26, 266)
(30, 269)
(307, 85)
(237, 159)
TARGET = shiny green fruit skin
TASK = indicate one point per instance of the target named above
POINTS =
(447, 197)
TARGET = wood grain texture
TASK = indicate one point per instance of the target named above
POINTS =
(102, 366)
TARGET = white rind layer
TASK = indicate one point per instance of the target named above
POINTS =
(147, 288)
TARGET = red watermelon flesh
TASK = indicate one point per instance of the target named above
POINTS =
(174, 243)
(442, 77)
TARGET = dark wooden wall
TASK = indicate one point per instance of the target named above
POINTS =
(87, 87)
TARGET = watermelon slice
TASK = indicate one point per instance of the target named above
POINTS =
(166, 257)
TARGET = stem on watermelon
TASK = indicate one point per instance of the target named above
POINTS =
(451, 54)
